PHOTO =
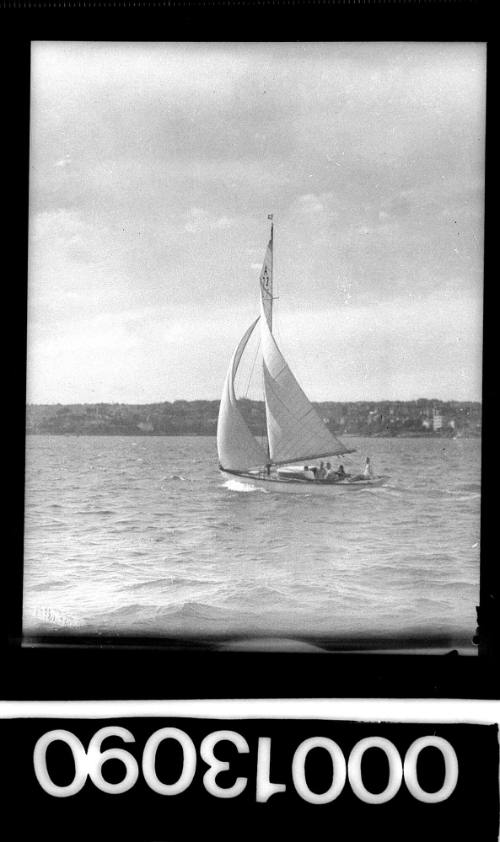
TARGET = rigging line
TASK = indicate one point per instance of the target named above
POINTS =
(253, 366)
(265, 433)
(274, 282)
(285, 364)
(347, 458)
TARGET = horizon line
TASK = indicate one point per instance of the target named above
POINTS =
(254, 400)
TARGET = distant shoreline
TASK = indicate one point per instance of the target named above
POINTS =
(425, 417)
(138, 434)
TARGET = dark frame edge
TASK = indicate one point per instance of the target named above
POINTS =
(87, 672)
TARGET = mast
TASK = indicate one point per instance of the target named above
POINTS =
(271, 249)
(267, 300)
(295, 430)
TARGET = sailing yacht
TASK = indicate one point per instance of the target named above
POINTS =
(296, 435)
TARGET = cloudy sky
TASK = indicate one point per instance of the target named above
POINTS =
(153, 169)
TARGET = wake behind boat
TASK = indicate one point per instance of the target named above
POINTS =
(296, 435)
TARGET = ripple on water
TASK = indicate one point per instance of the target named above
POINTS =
(126, 545)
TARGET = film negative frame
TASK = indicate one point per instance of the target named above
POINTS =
(132, 668)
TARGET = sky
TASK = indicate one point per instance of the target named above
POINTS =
(153, 168)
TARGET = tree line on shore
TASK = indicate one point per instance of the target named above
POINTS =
(424, 417)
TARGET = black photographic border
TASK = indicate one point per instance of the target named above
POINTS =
(154, 669)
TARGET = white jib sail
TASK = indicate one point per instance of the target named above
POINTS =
(238, 449)
(295, 430)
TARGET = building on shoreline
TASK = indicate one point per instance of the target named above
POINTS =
(375, 418)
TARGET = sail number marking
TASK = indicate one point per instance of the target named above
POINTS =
(89, 764)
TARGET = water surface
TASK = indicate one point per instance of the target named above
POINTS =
(143, 535)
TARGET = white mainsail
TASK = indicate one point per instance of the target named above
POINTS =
(266, 282)
(238, 449)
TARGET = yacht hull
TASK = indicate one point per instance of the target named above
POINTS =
(284, 485)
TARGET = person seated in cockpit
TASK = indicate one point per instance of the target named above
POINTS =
(321, 472)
